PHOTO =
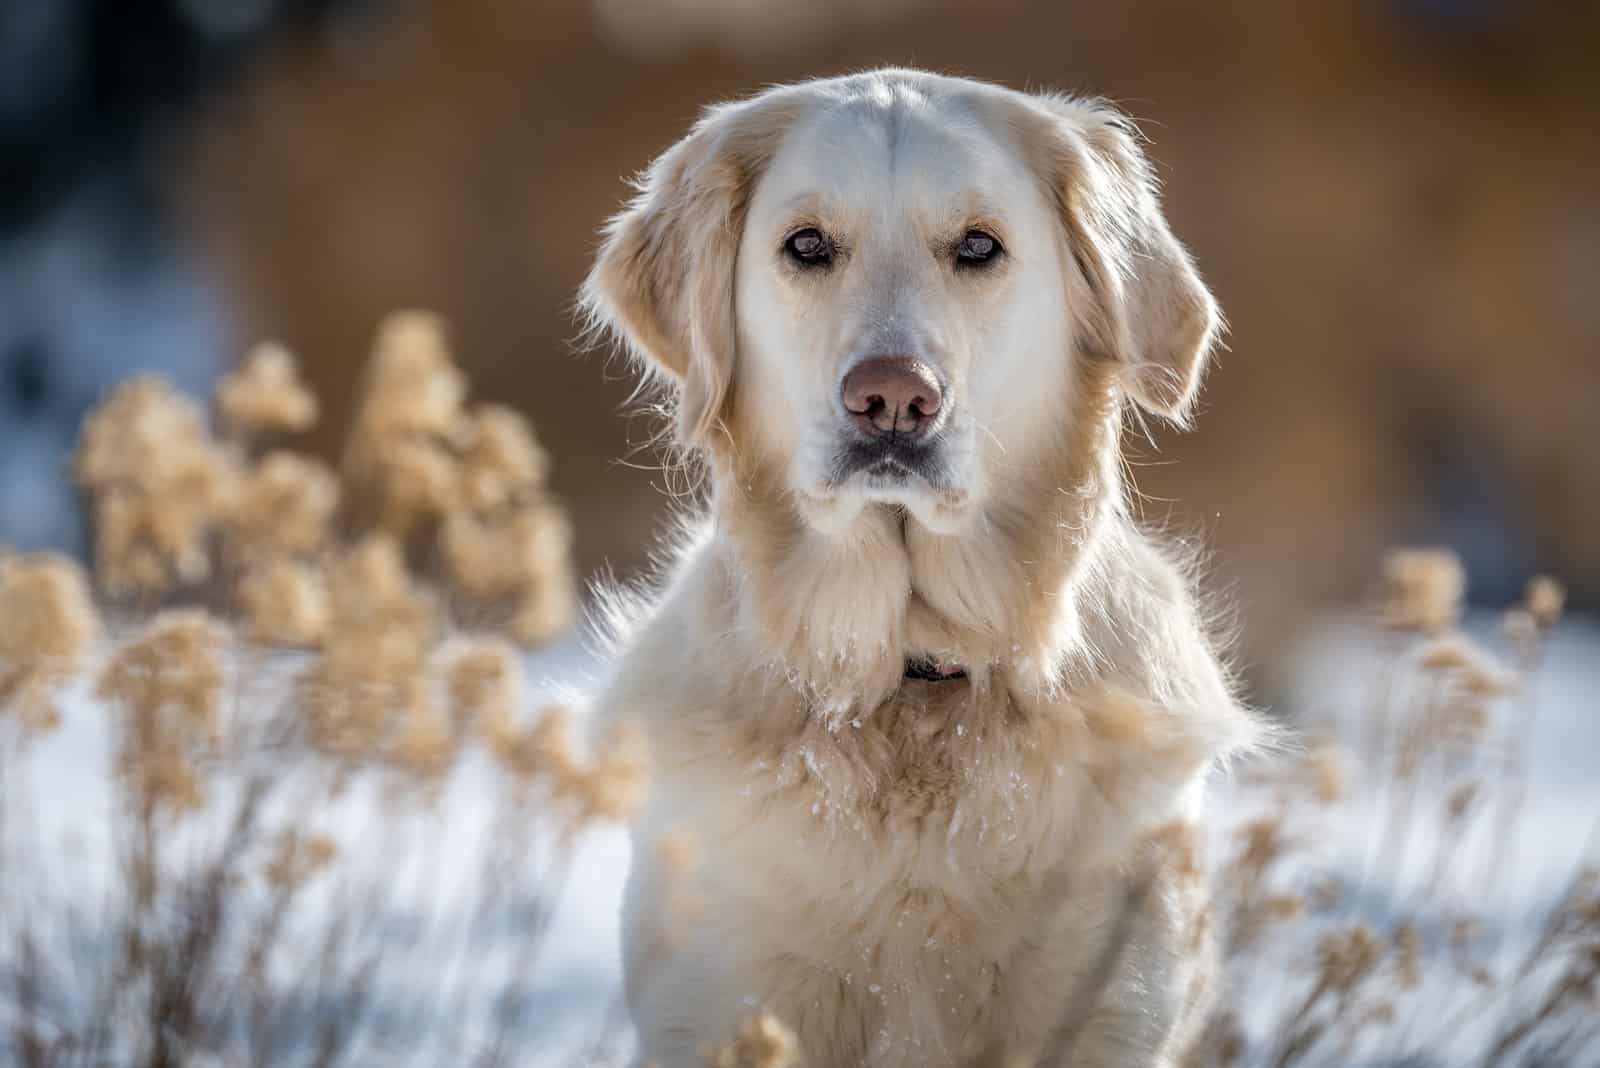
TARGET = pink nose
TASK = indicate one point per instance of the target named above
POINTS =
(892, 395)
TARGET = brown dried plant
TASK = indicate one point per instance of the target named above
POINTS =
(399, 455)
(211, 731)
(284, 602)
(282, 506)
(1422, 589)
(47, 622)
(470, 483)
(265, 395)
(168, 683)
(763, 1041)
(370, 676)
(157, 484)
(1386, 976)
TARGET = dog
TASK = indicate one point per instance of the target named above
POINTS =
(936, 713)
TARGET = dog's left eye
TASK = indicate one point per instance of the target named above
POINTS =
(809, 247)
(977, 248)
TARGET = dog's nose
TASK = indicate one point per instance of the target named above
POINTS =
(892, 395)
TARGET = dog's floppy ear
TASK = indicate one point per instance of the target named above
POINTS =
(663, 281)
(1148, 309)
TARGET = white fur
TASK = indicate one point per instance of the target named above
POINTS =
(912, 873)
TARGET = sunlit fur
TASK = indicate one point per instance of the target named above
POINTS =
(905, 872)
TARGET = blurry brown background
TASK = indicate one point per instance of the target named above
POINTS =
(1396, 202)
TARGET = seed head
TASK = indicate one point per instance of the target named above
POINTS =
(157, 484)
(1348, 957)
(1263, 842)
(413, 387)
(1285, 906)
(1520, 627)
(1545, 599)
(485, 686)
(399, 458)
(295, 859)
(503, 557)
(372, 674)
(47, 623)
(501, 462)
(265, 396)
(1470, 665)
(175, 665)
(1422, 589)
(547, 750)
(424, 744)
(376, 611)
(284, 602)
(523, 557)
(167, 680)
(762, 1042)
(281, 507)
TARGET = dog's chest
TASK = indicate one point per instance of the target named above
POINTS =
(897, 866)
(906, 872)
(940, 804)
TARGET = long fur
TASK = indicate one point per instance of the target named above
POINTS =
(913, 873)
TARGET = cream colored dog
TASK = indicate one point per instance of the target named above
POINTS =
(936, 713)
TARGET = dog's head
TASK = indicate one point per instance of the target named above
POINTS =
(877, 288)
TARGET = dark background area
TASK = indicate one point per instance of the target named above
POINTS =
(1396, 201)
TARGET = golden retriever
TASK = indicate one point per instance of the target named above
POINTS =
(922, 692)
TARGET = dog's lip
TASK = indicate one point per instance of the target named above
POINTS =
(884, 460)
(891, 465)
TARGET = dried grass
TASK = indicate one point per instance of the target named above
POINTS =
(1387, 965)
(236, 932)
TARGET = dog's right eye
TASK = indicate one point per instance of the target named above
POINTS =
(809, 247)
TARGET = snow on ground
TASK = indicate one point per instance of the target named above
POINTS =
(425, 859)
(1514, 859)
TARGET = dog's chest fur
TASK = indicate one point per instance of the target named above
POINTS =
(907, 862)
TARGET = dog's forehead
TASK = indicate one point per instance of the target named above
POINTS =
(901, 147)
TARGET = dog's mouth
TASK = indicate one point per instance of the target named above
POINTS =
(924, 478)
(886, 463)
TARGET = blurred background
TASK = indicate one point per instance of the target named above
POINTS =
(1397, 202)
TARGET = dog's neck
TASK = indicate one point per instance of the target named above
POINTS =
(840, 612)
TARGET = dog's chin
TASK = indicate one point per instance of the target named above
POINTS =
(831, 507)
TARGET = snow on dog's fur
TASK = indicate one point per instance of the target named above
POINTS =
(913, 871)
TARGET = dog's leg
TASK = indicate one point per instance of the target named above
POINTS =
(1118, 979)
(1155, 968)
(691, 1007)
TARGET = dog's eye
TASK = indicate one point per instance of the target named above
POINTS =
(976, 249)
(809, 247)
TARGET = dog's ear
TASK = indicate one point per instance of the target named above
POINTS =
(1148, 309)
(663, 281)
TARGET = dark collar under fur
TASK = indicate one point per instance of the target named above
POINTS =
(929, 669)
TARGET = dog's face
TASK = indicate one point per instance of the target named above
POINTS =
(900, 311)
(878, 288)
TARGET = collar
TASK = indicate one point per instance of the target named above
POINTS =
(932, 669)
